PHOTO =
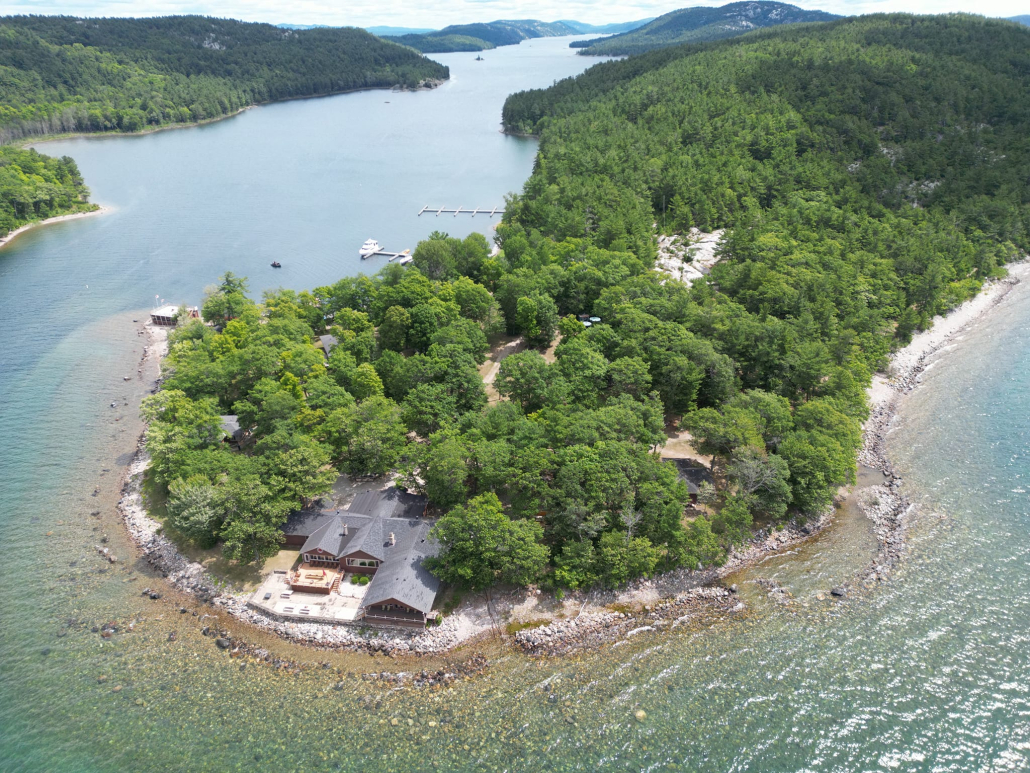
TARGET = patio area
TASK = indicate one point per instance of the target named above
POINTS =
(276, 595)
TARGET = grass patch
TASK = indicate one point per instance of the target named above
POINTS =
(514, 628)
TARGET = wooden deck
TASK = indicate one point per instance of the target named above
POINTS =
(313, 579)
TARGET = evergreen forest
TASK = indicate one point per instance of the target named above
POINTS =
(868, 174)
(64, 74)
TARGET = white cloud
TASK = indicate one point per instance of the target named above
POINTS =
(419, 13)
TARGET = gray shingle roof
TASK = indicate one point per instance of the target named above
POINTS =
(370, 520)
(327, 343)
(403, 577)
(692, 473)
(370, 539)
(328, 537)
(231, 427)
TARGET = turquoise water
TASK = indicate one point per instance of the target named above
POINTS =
(930, 672)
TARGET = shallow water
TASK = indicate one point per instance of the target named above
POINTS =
(929, 672)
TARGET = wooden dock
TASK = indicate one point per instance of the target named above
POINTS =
(461, 211)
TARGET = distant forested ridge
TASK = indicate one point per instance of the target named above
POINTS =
(700, 24)
(606, 29)
(479, 37)
(63, 74)
(34, 187)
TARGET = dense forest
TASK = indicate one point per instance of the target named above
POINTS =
(479, 37)
(700, 24)
(35, 187)
(870, 173)
(60, 73)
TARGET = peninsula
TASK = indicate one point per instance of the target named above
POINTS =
(838, 246)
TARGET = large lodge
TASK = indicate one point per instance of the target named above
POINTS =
(382, 536)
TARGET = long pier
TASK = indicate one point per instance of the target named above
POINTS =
(461, 211)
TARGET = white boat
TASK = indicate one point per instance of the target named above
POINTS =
(405, 260)
(370, 247)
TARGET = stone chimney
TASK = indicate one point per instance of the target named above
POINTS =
(393, 539)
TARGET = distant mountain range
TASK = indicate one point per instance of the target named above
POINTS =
(1025, 19)
(696, 25)
(384, 31)
(606, 29)
(479, 37)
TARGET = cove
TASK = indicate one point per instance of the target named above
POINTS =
(928, 673)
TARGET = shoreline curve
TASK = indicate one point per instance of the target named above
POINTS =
(99, 210)
(666, 600)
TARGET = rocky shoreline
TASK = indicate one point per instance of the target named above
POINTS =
(588, 631)
(661, 603)
(188, 576)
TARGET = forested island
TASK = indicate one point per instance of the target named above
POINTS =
(65, 74)
(480, 37)
(870, 173)
(35, 187)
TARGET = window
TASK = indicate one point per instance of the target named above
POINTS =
(362, 562)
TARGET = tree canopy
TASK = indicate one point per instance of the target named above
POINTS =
(63, 74)
(35, 187)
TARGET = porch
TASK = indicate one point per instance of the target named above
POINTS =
(395, 617)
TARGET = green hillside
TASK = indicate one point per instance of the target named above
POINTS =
(606, 29)
(61, 74)
(696, 25)
(479, 37)
(870, 172)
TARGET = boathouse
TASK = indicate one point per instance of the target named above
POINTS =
(168, 315)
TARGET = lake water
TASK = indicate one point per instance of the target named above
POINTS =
(930, 672)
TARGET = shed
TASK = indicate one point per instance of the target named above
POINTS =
(693, 474)
(232, 430)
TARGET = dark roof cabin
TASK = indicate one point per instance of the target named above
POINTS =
(326, 343)
(693, 474)
(231, 428)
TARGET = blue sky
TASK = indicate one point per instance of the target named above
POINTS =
(421, 13)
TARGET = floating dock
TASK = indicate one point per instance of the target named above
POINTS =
(391, 255)
(461, 211)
